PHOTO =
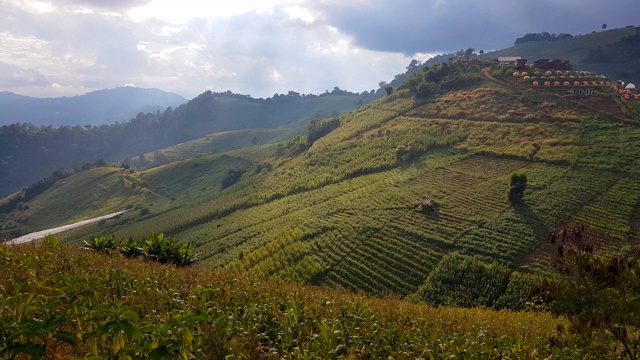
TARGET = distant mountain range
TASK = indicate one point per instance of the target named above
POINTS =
(29, 152)
(94, 108)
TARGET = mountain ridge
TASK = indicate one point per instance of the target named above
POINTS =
(93, 108)
(346, 210)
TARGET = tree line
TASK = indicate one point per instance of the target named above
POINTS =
(29, 153)
(543, 36)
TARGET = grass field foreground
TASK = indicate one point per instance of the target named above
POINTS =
(63, 302)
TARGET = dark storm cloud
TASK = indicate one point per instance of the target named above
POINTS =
(13, 75)
(412, 26)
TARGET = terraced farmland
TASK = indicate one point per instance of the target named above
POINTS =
(343, 212)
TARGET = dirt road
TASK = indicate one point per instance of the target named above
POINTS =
(41, 234)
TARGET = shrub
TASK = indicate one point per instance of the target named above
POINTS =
(517, 187)
(320, 128)
(232, 177)
(22, 206)
(133, 248)
(103, 243)
(292, 147)
(156, 247)
(51, 241)
(597, 293)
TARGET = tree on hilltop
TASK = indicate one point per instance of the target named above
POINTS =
(469, 53)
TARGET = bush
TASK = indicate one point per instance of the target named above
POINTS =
(517, 187)
(167, 250)
(21, 206)
(156, 247)
(103, 243)
(232, 177)
(320, 128)
(51, 241)
(597, 293)
(292, 147)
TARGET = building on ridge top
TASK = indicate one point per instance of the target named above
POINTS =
(547, 64)
(508, 60)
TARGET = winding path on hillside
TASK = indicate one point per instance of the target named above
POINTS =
(41, 234)
(487, 74)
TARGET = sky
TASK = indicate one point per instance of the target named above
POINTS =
(51, 48)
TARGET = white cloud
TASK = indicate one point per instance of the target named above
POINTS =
(256, 47)
(186, 10)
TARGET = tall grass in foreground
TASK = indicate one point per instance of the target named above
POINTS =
(69, 303)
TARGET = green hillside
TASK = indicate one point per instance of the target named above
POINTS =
(614, 53)
(29, 153)
(343, 212)
(63, 303)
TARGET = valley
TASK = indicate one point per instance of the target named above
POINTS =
(464, 211)
(343, 212)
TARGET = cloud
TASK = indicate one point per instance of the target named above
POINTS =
(261, 55)
(120, 6)
(411, 26)
(15, 76)
(261, 47)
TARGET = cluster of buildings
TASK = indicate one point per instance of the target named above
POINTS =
(543, 64)
(563, 67)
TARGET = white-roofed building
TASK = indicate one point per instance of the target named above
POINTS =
(508, 60)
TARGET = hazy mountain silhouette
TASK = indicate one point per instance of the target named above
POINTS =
(94, 108)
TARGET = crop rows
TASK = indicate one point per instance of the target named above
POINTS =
(611, 212)
(487, 167)
(444, 178)
(567, 194)
(388, 261)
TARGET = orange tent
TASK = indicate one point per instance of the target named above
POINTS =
(535, 83)
(566, 83)
(546, 83)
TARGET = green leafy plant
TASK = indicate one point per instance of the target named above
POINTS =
(51, 241)
(103, 243)
(599, 293)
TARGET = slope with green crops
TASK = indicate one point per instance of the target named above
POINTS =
(63, 303)
(344, 211)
